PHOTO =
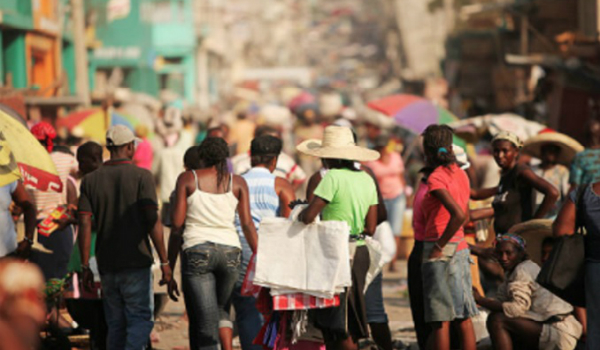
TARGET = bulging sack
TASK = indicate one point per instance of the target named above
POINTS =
(312, 259)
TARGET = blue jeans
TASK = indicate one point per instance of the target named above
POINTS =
(247, 318)
(592, 304)
(209, 273)
(395, 209)
(374, 301)
(128, 306)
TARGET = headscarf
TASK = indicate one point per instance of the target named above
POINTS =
(43, 131)
(510, 137)
(512, 238)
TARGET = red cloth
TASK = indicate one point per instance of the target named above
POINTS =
(299, 301)
(44, 132)
(292, 301)
(248, 286)
(456, 182)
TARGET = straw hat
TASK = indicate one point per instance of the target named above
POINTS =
(568, 146)
(338, 143)
(543, 225)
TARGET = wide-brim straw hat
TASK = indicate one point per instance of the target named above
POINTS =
(539, 225)
(337, 143)
(568, 146)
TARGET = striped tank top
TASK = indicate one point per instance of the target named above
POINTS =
(264, 201)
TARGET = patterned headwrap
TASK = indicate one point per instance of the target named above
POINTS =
(44, 132)
(510, 137)
(512, 238)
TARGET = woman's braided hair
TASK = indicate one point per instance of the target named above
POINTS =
(213, 151)
(437, 143)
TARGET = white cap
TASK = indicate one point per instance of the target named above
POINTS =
(119, 135)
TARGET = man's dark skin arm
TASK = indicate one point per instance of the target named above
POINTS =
(85, 238)
(286, 195)
(157, 236)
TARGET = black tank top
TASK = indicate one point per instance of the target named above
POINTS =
(514, 202)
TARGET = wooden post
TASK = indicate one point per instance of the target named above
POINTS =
(81, 62)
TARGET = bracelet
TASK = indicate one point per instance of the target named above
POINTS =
(28, 240)
(165, 263)
(439, 246)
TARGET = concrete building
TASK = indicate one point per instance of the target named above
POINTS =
(145, 45)
(36, 46)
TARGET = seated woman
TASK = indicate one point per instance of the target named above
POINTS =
(524, 314)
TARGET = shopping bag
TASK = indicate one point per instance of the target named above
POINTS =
(563, 273)
(312, 259)
(248, 286)
(385, 237)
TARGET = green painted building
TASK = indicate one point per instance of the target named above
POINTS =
(30, 34)
(152, 41)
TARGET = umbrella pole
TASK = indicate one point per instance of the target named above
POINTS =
(410, 149)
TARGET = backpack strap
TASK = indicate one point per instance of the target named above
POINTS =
(579, 205)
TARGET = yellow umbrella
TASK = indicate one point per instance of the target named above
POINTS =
(22, 156)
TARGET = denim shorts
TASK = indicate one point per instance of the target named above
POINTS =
(395, 209)
(447, 284)
(462, 286)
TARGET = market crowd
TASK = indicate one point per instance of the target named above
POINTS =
(217, 184)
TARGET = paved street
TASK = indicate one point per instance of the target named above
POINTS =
(172, 333)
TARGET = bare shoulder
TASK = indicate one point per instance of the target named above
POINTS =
(238, 181)
(283, 184)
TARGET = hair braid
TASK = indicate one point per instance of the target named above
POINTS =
(437, 143)
(213, 151)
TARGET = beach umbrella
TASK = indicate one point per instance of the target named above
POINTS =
(11, 112)
(93, 122)
(23, 157)
(414, 113)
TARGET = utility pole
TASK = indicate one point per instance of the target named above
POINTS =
(81, 62)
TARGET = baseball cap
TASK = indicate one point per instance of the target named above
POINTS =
(119, 135)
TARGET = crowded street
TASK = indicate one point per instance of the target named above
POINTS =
(299, 175)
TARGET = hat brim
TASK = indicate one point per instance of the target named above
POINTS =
(136, 141)
(544, 225)
(316, 149)
(569, 147)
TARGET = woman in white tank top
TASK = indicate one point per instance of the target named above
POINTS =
(206, 200)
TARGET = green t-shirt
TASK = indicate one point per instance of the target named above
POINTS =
(349, 195)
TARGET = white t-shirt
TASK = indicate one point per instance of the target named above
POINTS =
(8, 235)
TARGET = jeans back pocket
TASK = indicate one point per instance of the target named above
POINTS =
(233, 258)
(196, 261)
